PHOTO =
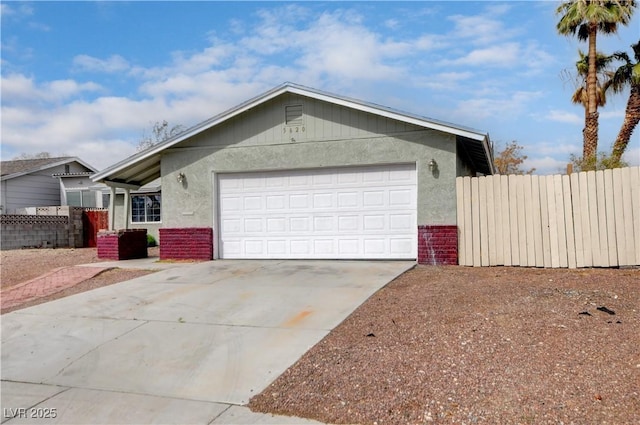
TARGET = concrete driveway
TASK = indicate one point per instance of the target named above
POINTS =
(187, 345)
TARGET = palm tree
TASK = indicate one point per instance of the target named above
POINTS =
(627, 74)
(585, 18)
(603, 79)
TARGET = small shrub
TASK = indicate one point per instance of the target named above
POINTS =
(151, 241)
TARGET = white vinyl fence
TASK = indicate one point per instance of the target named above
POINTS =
(587, 219)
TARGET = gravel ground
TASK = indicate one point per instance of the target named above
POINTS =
(20, 265)
(477, 345)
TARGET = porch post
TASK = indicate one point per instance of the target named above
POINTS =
(112, 207)
(127, 207)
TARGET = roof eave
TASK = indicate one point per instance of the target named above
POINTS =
(50, 165)
(103, 176)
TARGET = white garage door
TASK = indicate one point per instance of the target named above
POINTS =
(343, 213)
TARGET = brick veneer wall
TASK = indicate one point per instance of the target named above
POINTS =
(122, 244)
(190, 243)
(438, 245)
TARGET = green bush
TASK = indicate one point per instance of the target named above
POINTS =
(151, 241)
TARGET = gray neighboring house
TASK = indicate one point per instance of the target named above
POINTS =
(29, 183)
(302, 173)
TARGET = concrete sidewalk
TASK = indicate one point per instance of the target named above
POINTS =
(191, 344)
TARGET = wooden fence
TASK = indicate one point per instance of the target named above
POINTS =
(587, 219)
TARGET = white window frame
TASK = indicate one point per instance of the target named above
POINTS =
(146, 216)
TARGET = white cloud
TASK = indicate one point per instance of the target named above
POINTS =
(500, 55)
(430, 42)
(17, 88)
(445, 80)
(535, 60)
(496, 108)
(482, 29)
(557, 148)
(202, 61)
(617, 114)
(38, 26)
(114, 63)
(392, 24)
(545, 165)
(632, 156)
(565, 117)
(16, 10)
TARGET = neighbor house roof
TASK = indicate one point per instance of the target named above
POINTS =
(20, 167)
(144, 166)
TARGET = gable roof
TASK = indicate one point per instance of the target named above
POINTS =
(20, 167)
(144, 166)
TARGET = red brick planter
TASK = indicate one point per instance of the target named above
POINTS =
(438, 245)
(190, 243)
(122, 244)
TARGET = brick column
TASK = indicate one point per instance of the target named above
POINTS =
(438, 244)
(122, 244)
(190, 243)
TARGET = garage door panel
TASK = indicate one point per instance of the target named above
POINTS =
(231, 204)
(400, 246)
(299, 201)
(276, 182)
(300, 248)
(253, 247)
(400, 222)
(359, 212)
(299, 224)
(374, 246)
(323, 247)
(373, 198)
(348, 199)
(277, 247)
(374, 222)
(231, 226)
(276, 202)
(400, 198)
(401, 175)
(349, 246)
(348, 223)
(323, 224)
(276, 225)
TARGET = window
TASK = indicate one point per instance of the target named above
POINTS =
(145, 208)
(74, 199)
(293, 115)
(81, 198)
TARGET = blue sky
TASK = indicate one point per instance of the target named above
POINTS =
(90, 78)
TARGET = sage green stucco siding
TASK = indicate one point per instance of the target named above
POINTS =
(330, 136)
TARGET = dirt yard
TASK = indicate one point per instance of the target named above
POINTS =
(457, 345)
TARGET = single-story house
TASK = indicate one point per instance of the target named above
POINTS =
(303, 174)
(27, 183)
